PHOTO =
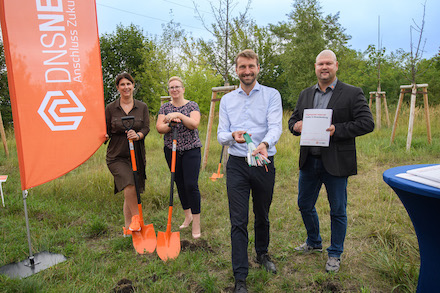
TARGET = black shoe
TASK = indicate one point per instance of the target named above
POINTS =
(240, 286)
(264, 261)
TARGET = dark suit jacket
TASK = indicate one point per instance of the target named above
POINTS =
(351, 117)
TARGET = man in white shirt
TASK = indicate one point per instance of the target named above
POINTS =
(257, 110)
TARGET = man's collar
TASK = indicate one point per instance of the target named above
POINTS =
(256, 87)
(331, 86)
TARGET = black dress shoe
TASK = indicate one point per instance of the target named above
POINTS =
(264, 261)
(240, 286)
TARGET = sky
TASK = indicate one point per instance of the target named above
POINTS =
(360, 18)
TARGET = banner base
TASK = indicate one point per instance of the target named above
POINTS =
(34, 264)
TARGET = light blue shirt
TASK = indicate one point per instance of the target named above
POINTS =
(260, 114)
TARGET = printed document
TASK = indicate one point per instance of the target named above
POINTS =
(315, 123)
(431, 172)
(425, 175)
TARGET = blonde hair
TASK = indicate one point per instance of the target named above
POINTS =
(175, 78)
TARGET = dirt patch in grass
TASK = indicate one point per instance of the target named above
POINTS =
(124, 286)
(200, 244)
(328, 286)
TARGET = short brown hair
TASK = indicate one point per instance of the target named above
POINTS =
(122, 75)
(248, 53)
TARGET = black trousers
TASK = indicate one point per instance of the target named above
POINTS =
(240, 181)
(187, 177)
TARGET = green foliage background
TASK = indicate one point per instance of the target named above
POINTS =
(287, 52)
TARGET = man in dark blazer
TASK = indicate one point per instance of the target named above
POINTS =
(330, 165)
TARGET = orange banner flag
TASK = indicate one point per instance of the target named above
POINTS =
(55, 83)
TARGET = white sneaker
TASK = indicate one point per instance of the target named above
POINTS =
(333, 264)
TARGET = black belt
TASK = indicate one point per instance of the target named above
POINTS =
(245, 158)
(237, 157)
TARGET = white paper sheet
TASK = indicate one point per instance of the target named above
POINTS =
(418, 179)
(315, 123)
(431, 172)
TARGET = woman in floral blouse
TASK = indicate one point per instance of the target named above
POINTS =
(187, 113)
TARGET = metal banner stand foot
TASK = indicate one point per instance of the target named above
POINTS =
(34, 263)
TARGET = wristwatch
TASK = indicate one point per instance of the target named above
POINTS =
(266, 144)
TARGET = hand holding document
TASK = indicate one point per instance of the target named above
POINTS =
(314, 128)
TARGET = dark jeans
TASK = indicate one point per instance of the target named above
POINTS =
(311, 178)
(240, 180)
(187, 177)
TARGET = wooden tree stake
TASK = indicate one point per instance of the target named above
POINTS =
(2, 131)
(164, 99)
(215, 90)
(378, 95)
(413, 90)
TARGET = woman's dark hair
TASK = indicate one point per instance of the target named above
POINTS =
(122, 75)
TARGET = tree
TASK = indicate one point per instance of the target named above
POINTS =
(151, 77)
(179, 55)
(129, 50)
(358, 69)
(218, 52)
(121, 51)
(265, 44)
(305, 34)
(430, 76)
(437, 60)
(171, 42)
(5, 101)
(199, 81)
(413, 64)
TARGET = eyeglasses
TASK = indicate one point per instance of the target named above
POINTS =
(175, 87)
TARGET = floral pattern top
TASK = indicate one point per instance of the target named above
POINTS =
(186, 138)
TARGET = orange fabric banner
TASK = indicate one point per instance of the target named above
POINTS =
(55, 83)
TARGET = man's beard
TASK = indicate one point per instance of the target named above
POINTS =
(329, 76)
(247, 82)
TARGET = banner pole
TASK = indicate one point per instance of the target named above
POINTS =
(31, 256)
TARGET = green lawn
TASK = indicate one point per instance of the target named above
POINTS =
(78, 216)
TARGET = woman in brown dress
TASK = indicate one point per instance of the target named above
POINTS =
(118, 153)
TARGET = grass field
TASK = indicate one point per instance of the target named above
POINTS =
(78, 216)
